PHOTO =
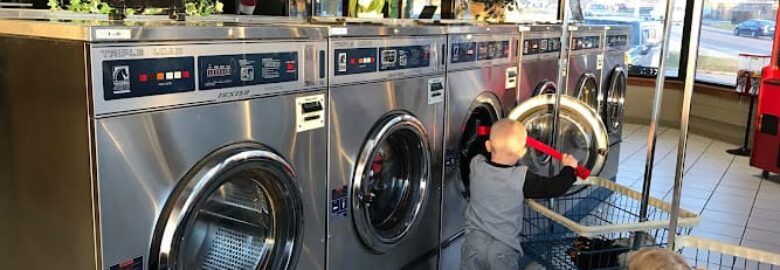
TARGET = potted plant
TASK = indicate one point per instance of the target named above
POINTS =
(492, 10)
(193, 7)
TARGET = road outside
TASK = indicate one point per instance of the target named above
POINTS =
(719, 49)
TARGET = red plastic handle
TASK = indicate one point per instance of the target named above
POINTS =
(581, 171)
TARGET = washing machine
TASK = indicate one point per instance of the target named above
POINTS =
(386, 93)
(538, 60)
(163, 145)
(586, 61)
(481, 87)
(613, 88)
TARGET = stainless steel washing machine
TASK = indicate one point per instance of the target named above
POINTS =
(540, 50)
(586, 60)
(481, 87)
(385, 145)
(162, 145)
(613, 88)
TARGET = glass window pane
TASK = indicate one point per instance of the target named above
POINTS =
(730, 28)
(534, 10)
(645, 17)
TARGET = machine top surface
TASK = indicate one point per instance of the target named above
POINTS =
(94, 28)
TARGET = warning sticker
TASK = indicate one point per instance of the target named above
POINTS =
(136, 263)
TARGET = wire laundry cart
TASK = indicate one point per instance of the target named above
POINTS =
(716, 255)
(596, 226)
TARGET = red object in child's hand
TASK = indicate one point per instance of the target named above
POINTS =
(581, 171)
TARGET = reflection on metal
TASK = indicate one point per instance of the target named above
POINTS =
(588, 90)
(391, 181)
(241, 200)
(615, 100)
(546, 87)
(581, 133)
(693, 52)
(656, 114)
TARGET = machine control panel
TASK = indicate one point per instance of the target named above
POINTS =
(355, 61)
(147, 77)
(617, 41)
(226, 71)
(586, 42)
(541, 46)
(139, 77)
(463, 52)
(406, 57)
(386, 58)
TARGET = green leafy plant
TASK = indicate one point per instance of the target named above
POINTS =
(495, 9)
(193, 7)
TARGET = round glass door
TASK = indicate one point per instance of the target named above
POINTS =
(472, 142)
(240, 209)
(588, 90)
(615, 100)
(581, 132)
(391, 181)
(545, 87)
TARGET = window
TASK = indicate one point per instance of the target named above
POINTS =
(534, 10)
(645, 17)
(730, 28)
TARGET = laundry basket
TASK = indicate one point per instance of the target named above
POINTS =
(714, 255)
(595, 226)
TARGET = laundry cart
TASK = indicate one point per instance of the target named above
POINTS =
(595, 226)
(712, 255)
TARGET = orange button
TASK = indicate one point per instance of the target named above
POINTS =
(160, 76)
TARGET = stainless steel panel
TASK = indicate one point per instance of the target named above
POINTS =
(356, 27)
(535, 73)
(436, 65)
(579, 66)
(46, 152)
(142, 157)
(467, 90)
(308, 76)
(355, 109)
(153, 30)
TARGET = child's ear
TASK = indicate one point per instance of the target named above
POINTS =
(488, 146)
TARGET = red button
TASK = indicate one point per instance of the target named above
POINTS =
(143, 77)
(290, 66)
(185, 74)
(352, 61)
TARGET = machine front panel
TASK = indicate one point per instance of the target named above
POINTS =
(141, 77)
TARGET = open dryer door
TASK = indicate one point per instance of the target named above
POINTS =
(581, 133)
(391, 181)
(239, 208)
(615, 100)
(588, 90)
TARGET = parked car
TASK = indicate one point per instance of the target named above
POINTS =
(646, 38)
(755, 28)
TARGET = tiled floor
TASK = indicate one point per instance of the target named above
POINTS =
(735, 204)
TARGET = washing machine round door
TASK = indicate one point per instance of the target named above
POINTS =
(615, 100)
(391, 181)
(581, 132)
(588, 90)
(239, 208)
(545, 87)
(476, 130)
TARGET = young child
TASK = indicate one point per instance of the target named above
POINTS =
(494, 217)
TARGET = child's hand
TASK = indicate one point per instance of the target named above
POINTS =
(569, 161)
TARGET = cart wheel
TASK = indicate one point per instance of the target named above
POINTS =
(765, 174)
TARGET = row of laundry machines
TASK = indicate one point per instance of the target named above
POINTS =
(245, 143)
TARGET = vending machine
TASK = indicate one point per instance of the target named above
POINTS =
(766, 138)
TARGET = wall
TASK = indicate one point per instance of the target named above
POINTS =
(719, 116)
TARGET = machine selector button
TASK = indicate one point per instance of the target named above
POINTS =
(437, 86)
